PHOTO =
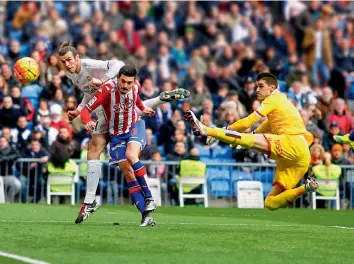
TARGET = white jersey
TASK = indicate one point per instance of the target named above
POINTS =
(93, 69)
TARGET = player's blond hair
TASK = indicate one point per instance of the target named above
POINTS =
(66, 47)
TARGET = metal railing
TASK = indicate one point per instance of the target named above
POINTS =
(221, 177)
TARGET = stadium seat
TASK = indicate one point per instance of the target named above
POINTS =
(327, 185)
(221, 153)
(60, 186)
(219, 182)
(282, 86)
(155, 188)
(193, 180)
(264, 176)
(204, 152)
(161, 150)
(32, 93)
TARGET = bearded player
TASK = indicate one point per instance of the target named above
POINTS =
(89, 75)
(281, 135)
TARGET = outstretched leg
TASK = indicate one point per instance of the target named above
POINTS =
(166, 97)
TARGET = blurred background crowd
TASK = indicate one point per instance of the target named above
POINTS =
(214, 49)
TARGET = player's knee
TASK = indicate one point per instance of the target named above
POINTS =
(95, 150)
(131, 157)
(270, 204)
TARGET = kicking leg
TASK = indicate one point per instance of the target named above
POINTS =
(255, 141)
(166, 97)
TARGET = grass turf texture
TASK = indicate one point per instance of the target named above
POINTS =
(182, 235)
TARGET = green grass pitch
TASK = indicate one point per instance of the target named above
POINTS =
(182, 235)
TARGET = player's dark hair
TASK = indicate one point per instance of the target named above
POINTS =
(269, 78)
(65, 47)
(128, 70)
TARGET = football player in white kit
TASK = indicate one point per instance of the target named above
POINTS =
(89, 75)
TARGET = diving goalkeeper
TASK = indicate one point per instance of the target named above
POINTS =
(282, 135)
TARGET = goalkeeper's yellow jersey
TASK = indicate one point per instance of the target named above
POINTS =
(279, 117)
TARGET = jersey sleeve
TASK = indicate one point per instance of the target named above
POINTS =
(84, 100)
(258, 115)
(264, 127)
(112, 66)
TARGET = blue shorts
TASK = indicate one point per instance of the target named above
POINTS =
(119, 143)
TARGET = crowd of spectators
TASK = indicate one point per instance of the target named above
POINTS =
(214, 49)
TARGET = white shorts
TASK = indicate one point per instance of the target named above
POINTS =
(102, 123)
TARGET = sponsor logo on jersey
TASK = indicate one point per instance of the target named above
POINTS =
(92, 101)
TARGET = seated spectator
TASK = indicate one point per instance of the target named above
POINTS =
(317, 152)
(32, 172)
(233, 104)
(337, 155)
(77, 125)
(310, 125)
(348, 153)
(328, 140)
(248, 94)
(6, 133)
(147, 90)
(129, 36)
(8, 75)
(49, 133)
(43, 110)
(168, 129)
(23, 104)
(9, 114)
(158, 170)
(8, 156)
(324, 103)
(21, 133)
(150, 147)
(299, 98)
(63, 142)
(57, 121)
(340, 116)
(162, 115)
(199, 94)
(4, 88)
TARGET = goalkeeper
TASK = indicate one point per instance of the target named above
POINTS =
(281, 135)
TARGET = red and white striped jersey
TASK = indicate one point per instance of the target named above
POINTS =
(120, 109)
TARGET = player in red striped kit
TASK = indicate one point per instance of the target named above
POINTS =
(119, 100)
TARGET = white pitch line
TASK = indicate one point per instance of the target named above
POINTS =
(167, 223)
(23, 259)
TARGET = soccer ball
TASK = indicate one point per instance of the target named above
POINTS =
(26, 70)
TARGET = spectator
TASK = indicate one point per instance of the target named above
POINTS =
(337, 155)
(6, 133)
(158, 170)
(8, 75)
(248, 94)
(49, 133)
(43, 110)
(340, 116)
(8, 156)
(318, 51)
(328, 140)
(21, 133)
(150, 147)
(57, 121)
(4, 89)
(23, 104)
(130, 37)
(317, 152)
(199, 94)
(9, 114)
(324, 103)
(32, 173)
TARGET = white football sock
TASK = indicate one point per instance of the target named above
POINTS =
(152, 103)
(93, 175)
